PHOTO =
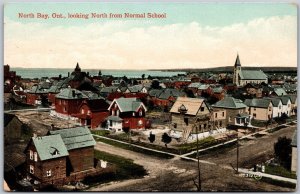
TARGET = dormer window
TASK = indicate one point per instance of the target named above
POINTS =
(48, 173)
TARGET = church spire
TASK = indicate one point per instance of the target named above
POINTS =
(237, 61)
(77, 68)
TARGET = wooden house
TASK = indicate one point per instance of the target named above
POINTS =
(186, 111)
(126, 114)
(260, 109)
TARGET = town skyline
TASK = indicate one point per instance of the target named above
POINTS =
(262, 37)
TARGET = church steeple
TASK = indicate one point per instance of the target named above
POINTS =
(237, 61)
(77, 68)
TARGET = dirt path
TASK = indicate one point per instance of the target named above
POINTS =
(250, 152)
(178, 175)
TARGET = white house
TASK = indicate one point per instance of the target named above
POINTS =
(286, 105)
(277, 107)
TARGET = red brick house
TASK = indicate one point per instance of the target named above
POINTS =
(68, 101)
(93, 112)
(35, 95)
(61, 156)
(126, 114)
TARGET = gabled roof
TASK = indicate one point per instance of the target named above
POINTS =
(275, 101)
(284, 99)
(191, 104)
(128, 104)
(194, 85)
(50, 147)
(279, 91)
(136, 88)
(36, 89)
(168, 92)
(74, 138)
(70, 93)
(155, 92)
(293, 97)
(258, 102)
(109, 89)
(217, 90)
(92, 95)
(230, 102)
(252, 75)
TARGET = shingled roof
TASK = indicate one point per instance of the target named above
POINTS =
(230, 102)
(74, 138)
(192, 105)
(252, 75)
(258, 102)
(70, 93)
(128, 104)
(50, 147)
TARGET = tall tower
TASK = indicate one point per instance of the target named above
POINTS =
(237, 70)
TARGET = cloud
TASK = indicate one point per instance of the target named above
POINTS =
(125, 45)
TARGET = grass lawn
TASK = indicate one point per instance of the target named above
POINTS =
(125, 169)
(275, 129)
(188, 147)
(133, 148)
(278, 183)
(280, 171)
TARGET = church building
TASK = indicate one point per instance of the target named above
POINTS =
(243, 77)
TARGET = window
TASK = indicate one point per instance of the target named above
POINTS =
(116, 105)
(111, 123)
(204, 126)
(141, 113)
(186, 120)
(202, 109)
(175, 125)
(35, 156)
(254, 108)
(223, 114)
(89, 112)
(59, 102)
(113, 113)
(48, 173)
(220, 123)
(140, 123)
(216, 115)
(31, 154)
(65, 109)
(254, 115)
(270, 108)
(31, 169)
(279, 106)
(118, 112)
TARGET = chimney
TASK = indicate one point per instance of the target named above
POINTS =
(68, 74)
(73, 93)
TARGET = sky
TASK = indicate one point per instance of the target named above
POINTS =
(193, 35)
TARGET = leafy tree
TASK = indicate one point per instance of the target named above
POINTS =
(166, 139)
(151, 137)
(155, 84)
(143, 76)
(283, 150)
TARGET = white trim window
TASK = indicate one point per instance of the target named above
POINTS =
(141, 113)
(35, 156)
(31, 169)
(30, 154)
(48, 173)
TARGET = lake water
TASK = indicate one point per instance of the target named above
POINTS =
(50, 72)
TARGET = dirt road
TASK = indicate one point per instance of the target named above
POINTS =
(178, 175)
(250, 152)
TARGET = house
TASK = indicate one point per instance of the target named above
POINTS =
(126, 114)
(93, 111)
(55, 89)
(294, 153)
(286, 105)
(68, 101)
(36, 94)
(254, 89)
(277, 107)
(12, 128)
(10, 79)
(185, 112)
(79, 143)
(164, 97)
(61, 156)
(293, 99)
(46, 159)
(278, 92)
(260, 109)
(218, 93)
(242, 77)
(236, 110)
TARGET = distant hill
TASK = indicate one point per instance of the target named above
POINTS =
(230, 69)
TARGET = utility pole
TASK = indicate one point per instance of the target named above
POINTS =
(199, 178)
(237, 152)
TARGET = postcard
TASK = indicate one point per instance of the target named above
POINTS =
(150, 97)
